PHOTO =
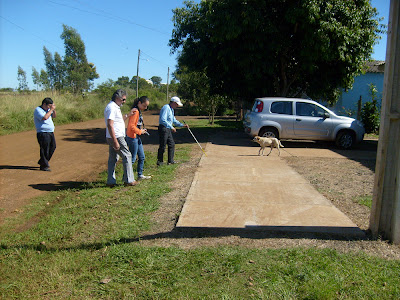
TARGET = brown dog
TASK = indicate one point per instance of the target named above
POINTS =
(267, 142)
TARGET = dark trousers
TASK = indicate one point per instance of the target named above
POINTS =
(47, 143)
(165, 138)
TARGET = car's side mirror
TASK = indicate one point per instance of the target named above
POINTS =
(326, 115)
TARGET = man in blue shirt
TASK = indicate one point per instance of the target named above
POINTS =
(167, 121)
(43, 118)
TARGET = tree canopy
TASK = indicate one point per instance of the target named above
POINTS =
(79, 73)
(22, 85)
(72, 72)
(252, 48)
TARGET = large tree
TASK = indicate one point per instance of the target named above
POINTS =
(36, 78)
(79, 72)
(55, 70)
(195, 87)
(156, 81)
(276, 47)
(123, 81)
(22, 84)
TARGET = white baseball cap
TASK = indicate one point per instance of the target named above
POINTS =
(176, 100)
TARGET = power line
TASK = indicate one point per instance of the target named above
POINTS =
(155, 59)
(109, 16)
(39, 37)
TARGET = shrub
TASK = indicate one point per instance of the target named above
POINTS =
(370, 113)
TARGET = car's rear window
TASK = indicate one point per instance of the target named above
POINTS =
(282, 107)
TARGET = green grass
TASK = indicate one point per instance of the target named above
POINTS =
(372, 136)
(16, 109)
(365, 200)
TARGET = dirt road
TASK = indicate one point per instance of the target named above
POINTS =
(80, 155)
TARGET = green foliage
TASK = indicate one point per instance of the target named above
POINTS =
(7, 90)
(106, 89)
(44, 79)
(156, 95)
(143, 84)
(79, 73)
(16, 109)
(365, 200)
(22, 84)
(156, 81)
(195, 87)
(370, 112)
(276, 48)
(73, 72)
(36, 77)
(123, 81)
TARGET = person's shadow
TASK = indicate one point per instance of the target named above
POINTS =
(8, 167)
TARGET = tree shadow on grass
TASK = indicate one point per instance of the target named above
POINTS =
(194, 233)
(64, 185)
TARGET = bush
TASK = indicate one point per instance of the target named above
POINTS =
(370, 113)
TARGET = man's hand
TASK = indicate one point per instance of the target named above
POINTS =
(186, 125)
(116, 145)
(173, 129)
(110, 126)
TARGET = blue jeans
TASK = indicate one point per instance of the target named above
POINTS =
(136, 147)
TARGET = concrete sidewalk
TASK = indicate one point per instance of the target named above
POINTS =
(234, 188)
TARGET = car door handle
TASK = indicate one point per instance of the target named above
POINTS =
(298, 120)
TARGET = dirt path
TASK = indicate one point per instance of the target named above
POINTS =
(80, 155)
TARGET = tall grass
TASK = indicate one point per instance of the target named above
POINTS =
(16, 109)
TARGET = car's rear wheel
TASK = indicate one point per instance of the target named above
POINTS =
(270, 132)
(345, 139)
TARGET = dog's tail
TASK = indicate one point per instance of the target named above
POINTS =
(280, 144)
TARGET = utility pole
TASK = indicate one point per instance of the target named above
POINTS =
(385, 211)
(167, 84)
(137, 76)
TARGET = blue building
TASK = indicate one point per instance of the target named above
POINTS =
(347, 103)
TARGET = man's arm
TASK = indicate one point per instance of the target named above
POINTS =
(51, 111)
(110, 126)
(177, 123)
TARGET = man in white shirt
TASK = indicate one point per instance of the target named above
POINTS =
(115, 135)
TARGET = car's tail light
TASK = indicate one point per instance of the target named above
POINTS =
(259, 106)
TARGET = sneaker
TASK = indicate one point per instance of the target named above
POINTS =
(133, 183)
(159, 163)
(173, 163)
(140, 177)
(45, 169)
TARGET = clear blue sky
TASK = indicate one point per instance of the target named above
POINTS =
(113, 32)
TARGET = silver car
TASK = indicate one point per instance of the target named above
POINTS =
(301, 119)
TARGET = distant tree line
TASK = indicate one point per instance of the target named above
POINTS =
(152, 87)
